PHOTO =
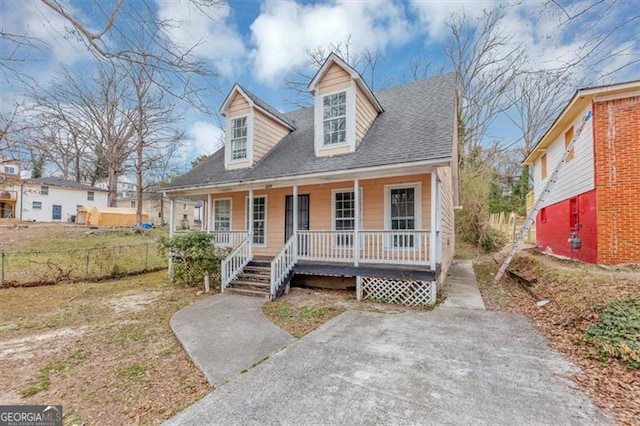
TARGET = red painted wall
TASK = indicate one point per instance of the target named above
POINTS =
(553, 228)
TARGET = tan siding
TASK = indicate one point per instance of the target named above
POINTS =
(334, 79)
(447, 229)
(267, 133)
(238, 165)
(365, 115)
(238, 106)
(328, 152)
(321, 205)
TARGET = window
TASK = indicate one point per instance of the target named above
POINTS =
(239, 138)
(334, 116)
(344, 216)
(543, 166)
(543, 215)
(91, 195)
(10, 170)
(185, 207)
(222, 215)
(56, 212)
(402, 214)
(259, 219)
(36, 205)
(132, 204)
(44, 190)
(568, 137)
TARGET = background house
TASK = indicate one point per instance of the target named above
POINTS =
(597, 194)
(57, 200)
(9, 188)
(158, 208)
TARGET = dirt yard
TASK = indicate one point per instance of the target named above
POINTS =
(590, 314)
(104, 351)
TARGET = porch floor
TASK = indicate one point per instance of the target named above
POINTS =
(416, 272)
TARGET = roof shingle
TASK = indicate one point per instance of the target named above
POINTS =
(417, 125)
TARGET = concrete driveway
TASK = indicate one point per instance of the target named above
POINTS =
(448, 366)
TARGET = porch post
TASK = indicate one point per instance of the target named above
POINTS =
(432, 230)
(356, 234)
(209, 212)
(295, 209)
(172, 216)
(250, 224)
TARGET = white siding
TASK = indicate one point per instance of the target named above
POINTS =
(577, 176)
(447, 219)
(68, 198)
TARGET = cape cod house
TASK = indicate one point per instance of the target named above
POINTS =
(361, 185)
(597, 191)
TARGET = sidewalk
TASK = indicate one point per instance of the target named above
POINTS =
(461, 287)
(225, 334)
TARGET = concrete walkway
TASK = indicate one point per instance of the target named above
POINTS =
(226, 334)
(448, 366)
(461, 287)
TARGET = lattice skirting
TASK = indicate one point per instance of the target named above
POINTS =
(404, 292)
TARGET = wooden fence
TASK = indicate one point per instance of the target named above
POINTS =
(509, 224)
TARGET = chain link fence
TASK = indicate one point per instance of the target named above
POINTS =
(39, 267)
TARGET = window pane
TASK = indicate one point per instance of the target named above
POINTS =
(334, 116)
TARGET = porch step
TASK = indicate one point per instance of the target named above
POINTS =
(248, 292)
(240, 283)
(250, 276)
(261, 270)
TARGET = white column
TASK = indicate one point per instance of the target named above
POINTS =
(172, 216)
(356, 210)
(295, 209)
(432, 230)
(209, 212)
(250, 225)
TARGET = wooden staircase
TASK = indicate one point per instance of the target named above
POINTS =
(254, 280)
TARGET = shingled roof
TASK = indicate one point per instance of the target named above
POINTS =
(53, 181)
(417, 125)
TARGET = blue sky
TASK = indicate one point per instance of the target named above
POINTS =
(260, 43)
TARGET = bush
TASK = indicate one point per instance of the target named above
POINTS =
(617, 334)
(194, 256)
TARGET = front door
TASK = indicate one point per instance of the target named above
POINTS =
(303, 215)
(56, 214)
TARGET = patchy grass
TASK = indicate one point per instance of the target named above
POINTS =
(104, 351)
(465, 250)
(592, 316)
(298, 321)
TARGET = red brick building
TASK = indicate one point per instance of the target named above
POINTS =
(597, 194)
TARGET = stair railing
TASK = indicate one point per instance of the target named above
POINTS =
(233, 264)
(282, 265)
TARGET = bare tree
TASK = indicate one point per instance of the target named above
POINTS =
(297, 82)
(486, 65)
(154, 123)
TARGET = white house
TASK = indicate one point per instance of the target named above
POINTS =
(57, 200)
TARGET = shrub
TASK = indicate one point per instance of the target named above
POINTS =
(194, 256)
(617, 334)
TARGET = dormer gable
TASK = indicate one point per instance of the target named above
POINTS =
(344, 107)
(253, 128)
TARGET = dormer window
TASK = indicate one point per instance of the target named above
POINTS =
(335, 118)
(239, 138)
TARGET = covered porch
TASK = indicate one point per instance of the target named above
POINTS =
(376, 227)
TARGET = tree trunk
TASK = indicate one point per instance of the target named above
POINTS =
(112, 187)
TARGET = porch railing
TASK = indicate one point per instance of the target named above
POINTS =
(282, 265)
(326, 246)
(405, 247)
(409, 247)
(228, 238)
(233, 264)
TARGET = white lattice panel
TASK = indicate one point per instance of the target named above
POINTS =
(403, 292)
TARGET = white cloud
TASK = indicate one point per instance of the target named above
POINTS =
(285, 30)
(435, 14)
(213, 33)
(203, 138)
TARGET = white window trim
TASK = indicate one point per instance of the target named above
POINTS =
(350, 121)
(266, 215)
(227, 148)
(46, 192)
(417, 186)
(213, 222)
(333, 205)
